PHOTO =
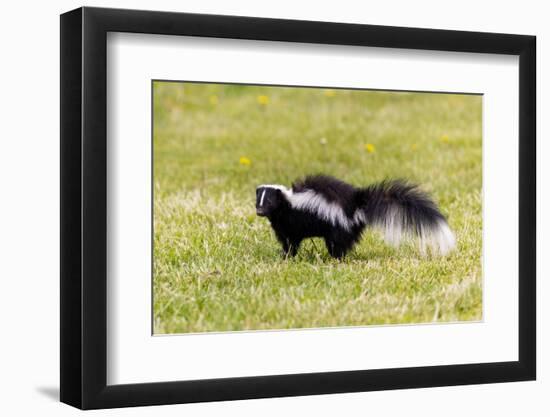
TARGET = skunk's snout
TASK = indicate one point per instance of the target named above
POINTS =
(260, 211)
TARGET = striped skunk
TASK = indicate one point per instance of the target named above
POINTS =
(323, 206)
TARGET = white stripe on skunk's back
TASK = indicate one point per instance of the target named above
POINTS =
(317, 204)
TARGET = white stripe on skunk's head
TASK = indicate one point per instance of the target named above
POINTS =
(269, 198)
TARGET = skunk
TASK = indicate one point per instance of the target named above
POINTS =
(323, 206)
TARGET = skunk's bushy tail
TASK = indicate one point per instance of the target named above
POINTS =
(403, 211)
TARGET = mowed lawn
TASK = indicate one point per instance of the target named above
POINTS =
(218, 267)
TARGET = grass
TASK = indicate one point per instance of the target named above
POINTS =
(218, 267)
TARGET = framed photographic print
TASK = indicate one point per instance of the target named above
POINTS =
(257, 207)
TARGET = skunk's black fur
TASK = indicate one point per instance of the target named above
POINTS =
(323, 206)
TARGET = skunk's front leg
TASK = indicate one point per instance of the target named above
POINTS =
(290, 247)
(335, 249)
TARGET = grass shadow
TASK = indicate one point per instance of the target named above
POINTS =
(315, 253)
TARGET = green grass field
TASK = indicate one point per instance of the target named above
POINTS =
(218, 267)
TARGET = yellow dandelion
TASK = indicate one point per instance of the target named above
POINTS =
(214, 100)
(444, 139)
(330, 93)
(243, 160)
(414, 147)
(370, 148)
(263, 100)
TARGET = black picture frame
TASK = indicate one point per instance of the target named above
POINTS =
(84, 207)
